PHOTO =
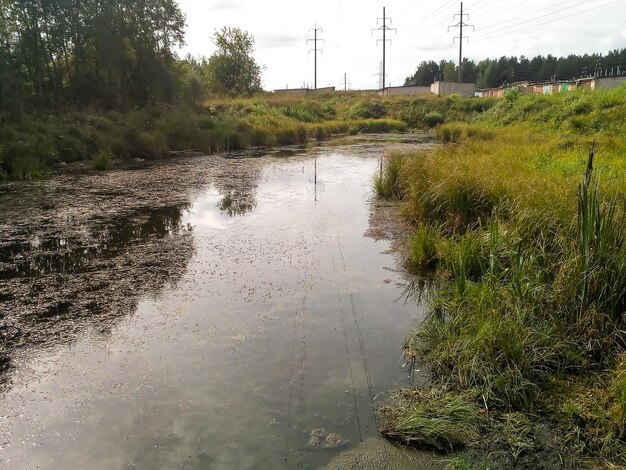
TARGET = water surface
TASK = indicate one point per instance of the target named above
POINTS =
(203, 313)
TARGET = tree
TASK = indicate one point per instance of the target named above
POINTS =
(449, 72)
(426, 73)
(232, 68)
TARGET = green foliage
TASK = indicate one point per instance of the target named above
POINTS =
(232, 69)
(105, 53)
(434, 118)
(388, 184)
(104, 161)
(425, 245)
(512, 94)
(367, 110)
(309, 111)
(532, 264)
(489, 73)
(376, 126)
(449, 133)
(432, 418)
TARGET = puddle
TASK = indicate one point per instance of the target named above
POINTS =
(205, 313)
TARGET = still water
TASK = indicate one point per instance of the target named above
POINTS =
(206, 313)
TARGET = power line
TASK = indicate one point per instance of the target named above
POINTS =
(535, 17)
(460, 25)
(424, 31)
(499, 12)
(380, 76)
(315, 40)
(345, 82)
(484, 7)
(384, 28)
(490, 35)
(473, 4)
(434, 12)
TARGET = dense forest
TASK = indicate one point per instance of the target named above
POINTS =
(495, 72)
(110, 54)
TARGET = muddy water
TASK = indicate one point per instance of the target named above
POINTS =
(204, 313)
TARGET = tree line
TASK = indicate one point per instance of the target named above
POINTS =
(490, 73)
(111, 54)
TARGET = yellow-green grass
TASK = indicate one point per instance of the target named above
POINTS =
(528, 234)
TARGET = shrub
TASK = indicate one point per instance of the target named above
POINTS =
(375, 126)
(449, 133)
(368, 110)
(104, 161)
(291, 135)
(433, 118)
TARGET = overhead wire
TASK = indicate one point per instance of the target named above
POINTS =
(435, 12)
(512, 20)
(473, 4)
(492, 34)
(499, 11)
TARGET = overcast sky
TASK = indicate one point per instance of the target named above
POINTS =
(502, 27)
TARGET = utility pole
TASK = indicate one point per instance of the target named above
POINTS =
(460, 25)
(384, 28)
(345, 82)
(315, 40)
(380, 76)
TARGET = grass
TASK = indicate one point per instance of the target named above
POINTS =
(432, 417)
(33, 144)
(103, 161)
(522, 213)
(387, 184)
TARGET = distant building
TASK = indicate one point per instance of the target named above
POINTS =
(452, 88)
(605, 83)
(405, 91)
(304, 91)
(490, 93)
(551, 88)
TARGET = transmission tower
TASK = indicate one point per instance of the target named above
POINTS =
(345, 82)
(384, 28)
(380, 76)
(460, 25)
(315, 40)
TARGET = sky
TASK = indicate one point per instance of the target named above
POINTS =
(349, 30)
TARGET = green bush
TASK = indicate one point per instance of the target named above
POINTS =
(104, 161)
(367, 110)
(434, 118)
(450, 133)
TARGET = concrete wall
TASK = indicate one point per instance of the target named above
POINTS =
(292, 92)
(607, 83)
(405, 91)
(321, 91)
(304, 91)
(450, 88)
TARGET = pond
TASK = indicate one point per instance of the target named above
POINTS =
(223, 311)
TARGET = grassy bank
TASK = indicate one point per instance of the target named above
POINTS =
(30, 144)
(521, 217)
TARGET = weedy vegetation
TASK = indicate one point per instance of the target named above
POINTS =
(522, 213)
(36, 142)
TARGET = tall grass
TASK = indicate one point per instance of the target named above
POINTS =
(528, 233)
(387, 184)
(433, 418)
(31, 145)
